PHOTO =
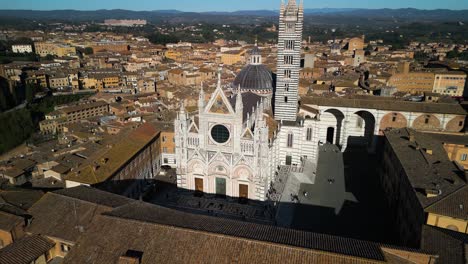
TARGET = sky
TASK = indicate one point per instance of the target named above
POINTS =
(223, 5)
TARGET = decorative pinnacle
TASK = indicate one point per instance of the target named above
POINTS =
(219, 77)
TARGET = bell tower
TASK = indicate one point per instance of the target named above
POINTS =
(289, 60)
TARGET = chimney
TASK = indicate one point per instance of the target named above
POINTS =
(131, 257)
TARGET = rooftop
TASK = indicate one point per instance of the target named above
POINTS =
(426, 165)
(112, 158)
(384, 103)
(66, 214)
(25, 250)
(180, 237)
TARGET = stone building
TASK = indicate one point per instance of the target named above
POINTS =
(450, 83)
(422, 186)
(26, 48)
(49, 48)
(356, 122)
(55, 121)
(412, 81)
(130, 160)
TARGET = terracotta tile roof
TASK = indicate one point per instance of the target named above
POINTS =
(67, 213)
(454, 205)
(448, 245)
(115, 157)
(164, 235)
(386, 104)
(9, 221)
(25, 250)
(159, 215)
(425, 171)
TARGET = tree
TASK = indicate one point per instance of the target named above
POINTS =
(158, 38)
(453, 54)
(88, 51)
(49, 57)
(30, 91)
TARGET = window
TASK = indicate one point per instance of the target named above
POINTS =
(288, 59)
(164, 139)
(460, 123)
(463, 157)
(290, 27)
(166, 160)
(287, 73)
(164, 150)
(309, 134)
(359, 122)
(426, 120)
(290, 140)
(285, 99)
(289, 44)
(64, 247)
(286, 87)
(220, 134)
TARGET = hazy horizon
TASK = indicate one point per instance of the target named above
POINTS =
(223, 6)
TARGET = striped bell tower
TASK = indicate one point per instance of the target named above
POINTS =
(289, 60)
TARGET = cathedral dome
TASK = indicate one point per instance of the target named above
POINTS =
(255, 78)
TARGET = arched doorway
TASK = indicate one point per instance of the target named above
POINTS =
(334, 119)
(363, 130)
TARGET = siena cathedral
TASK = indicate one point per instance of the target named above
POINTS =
(234, 144)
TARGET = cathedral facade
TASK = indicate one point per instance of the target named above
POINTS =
(224, 149)
(228, 148)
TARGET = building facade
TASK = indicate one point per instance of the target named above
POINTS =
(219, 151)
(21, 48)
(450, 83)
(55, 120)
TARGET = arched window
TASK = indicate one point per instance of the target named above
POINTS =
(309, 134)
(290, 140)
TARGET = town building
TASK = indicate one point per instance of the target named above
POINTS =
(28, 249)
(21, 48)
(450, 83)
(63, 216)
(11, 228)
(124, 22)
(356, 44)
(422, 185)
(413, 82)
(168, 147)
(56, 120)
(232, 57)
(124, 166)
(56, 49)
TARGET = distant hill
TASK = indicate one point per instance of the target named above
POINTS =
(177, 16)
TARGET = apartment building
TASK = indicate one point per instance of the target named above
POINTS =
(55, 120)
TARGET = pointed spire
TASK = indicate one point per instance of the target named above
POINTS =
(182, 108)
(219, 78)
(201, 99)
(239, 103)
